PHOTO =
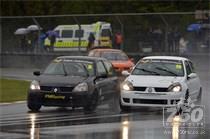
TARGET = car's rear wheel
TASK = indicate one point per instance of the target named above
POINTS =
(92, 104)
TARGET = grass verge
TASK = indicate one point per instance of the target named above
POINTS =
(13, 90)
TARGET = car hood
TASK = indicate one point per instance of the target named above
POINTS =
(153, 81)
(60, 80)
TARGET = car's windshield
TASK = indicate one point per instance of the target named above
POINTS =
(159, 68)
(114, 56)
(70, 68)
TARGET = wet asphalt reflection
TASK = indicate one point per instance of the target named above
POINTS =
(75, 124)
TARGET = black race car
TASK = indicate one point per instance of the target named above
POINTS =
(74, 81)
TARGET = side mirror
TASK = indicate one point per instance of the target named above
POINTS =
(104, 75)
(191, 76)
(125, 73)
(37, 73)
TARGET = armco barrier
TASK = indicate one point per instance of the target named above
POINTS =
(29, 60)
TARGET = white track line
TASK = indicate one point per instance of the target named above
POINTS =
(10, 103)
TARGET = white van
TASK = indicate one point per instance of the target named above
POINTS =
(73, 38)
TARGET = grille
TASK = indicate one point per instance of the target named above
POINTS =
(66, 89)
(62, 89)
(46, 88)
(139, 88)
(149, 101)
(157, 89)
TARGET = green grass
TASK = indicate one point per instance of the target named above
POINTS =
(13, 90)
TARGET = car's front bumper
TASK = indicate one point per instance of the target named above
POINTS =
(136, 98)
(71, 99)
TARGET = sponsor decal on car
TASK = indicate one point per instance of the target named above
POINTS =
(54, 97)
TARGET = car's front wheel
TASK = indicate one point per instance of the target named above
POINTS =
(33, 103)
(124, 108)
(34, 107)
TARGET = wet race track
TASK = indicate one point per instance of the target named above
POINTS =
(59, 123)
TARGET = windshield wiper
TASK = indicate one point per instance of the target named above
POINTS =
(166, 70)
(153, 72)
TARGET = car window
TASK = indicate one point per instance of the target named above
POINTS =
(90, 68)
(94, 53)
(100, 68)
(54, 69)
(192, 66)
(79, 33)
(57, 32)
(109, 68)
(67, 33)
(159, 68)
(66, 68)
(114, 56)
(91, 53)
(76, 69)
(106, 33)
(188, 69)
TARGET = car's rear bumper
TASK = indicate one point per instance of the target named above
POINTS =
(133, 98)
(76, 99)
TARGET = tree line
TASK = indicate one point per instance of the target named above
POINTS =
(51, 7)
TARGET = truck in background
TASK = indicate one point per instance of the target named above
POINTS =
(75, 37)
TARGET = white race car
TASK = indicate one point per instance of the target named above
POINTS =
(160, 81)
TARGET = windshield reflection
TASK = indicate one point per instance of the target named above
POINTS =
(162, 68)
(118, 56)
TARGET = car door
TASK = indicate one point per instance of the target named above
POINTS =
(113, 79)
(193, 82)
(102, 81)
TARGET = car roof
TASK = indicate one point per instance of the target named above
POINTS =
(166, 57)
(106, 49)
(85, 58)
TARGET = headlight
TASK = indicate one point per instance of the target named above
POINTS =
(176, 87)
(81, 87)
(34, 85)
(127, 86)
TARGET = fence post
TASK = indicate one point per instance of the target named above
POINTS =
(122, 32)
(38, 46)
(166, 33)
(79, 43)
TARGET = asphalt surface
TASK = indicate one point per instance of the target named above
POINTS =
(16, 122)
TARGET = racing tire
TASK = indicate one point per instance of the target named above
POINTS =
(34, 107)
(92, 104)
(199, 98)
(124, 108)
(187, 95)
